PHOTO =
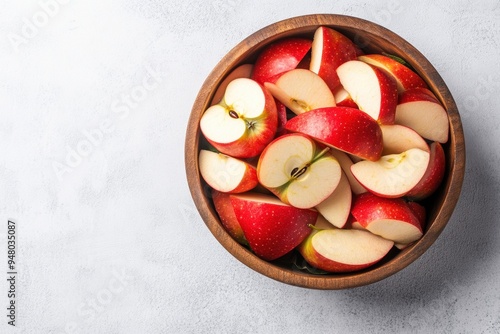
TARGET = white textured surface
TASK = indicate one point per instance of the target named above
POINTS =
(115, 244)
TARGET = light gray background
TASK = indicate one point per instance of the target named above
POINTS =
(110, 241)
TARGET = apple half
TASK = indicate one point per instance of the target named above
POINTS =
(374, 91)
(347, 129)
(297, 170)
(271, 227)
(301, 90)
(243, 122)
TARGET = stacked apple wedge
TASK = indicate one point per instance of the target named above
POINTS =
(322, 151)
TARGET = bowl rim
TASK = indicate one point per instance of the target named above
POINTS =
(288, 27)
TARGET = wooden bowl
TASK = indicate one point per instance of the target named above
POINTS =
(372, 38)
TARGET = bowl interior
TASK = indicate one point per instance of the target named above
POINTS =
(372, 38)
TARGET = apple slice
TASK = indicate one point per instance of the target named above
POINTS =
(330, 49)
(278, 57)
(420, 110)
(224, 208)
(337, 207)
(390, 218)
(404, 77)
(271, 227)
(243, 122)
(398, 138)
(347, 129)
(343, 99)
(371, 88)
(301, 90)
(433, 176)
(341, 250)
(298, 171)
(346, 163)
(242, 71)
(225, 173)
(393, 175)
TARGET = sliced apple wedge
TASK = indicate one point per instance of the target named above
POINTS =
(433, 176)
(343, 99)
(341, 250)
(330, 49)
(243, 122)
(399, 138)
(390, 218)
(404, 77)
(337, 207)
(420, 110)
(242, 71)
(224, 208)
(346, 163)
(371, 88)
(271, 227)
(347, 129)
(279, 57)
(393, 175)
(298, 171)
(301, 90)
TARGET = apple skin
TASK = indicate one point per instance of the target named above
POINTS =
(405, 78)
(420, 212)
(433, 176)
(368, 208)
(336, 50)
(271, 227)
(279, 57)
(317, 260)
(224, 208)
(347, 129)
(254, 140)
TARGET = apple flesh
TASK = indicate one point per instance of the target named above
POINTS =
(346, 163)
(330, 49)
(243, 122)
(404, 77)
(398, 138)
(298, 171)
(224, 208)
(337, 207)
(343, 99)
(420, 110)
(393, 175)
(371, 88)
(279, 57)
(301, 90)
(347, 129)
(271, 227)
(225, 173)
(340, 250)
(433, 176)
(242, 71)
(390, 218)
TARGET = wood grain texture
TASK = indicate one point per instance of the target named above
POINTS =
(371, 38)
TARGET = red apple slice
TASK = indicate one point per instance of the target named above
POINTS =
(343, 99)
(404, 77)
(433, 176)
(224, 208)
(371, 88)
(330, 49)
(225, 173)
(271, 227)
(341, 250)
(280, 56)
(301, 90)
(346, 163)
(398, 138)
(242, 71)
(420, 110)
(390, 218)
(244, 121)
(392, 175)
(337, 207)
(298, 171)
(347, 129)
